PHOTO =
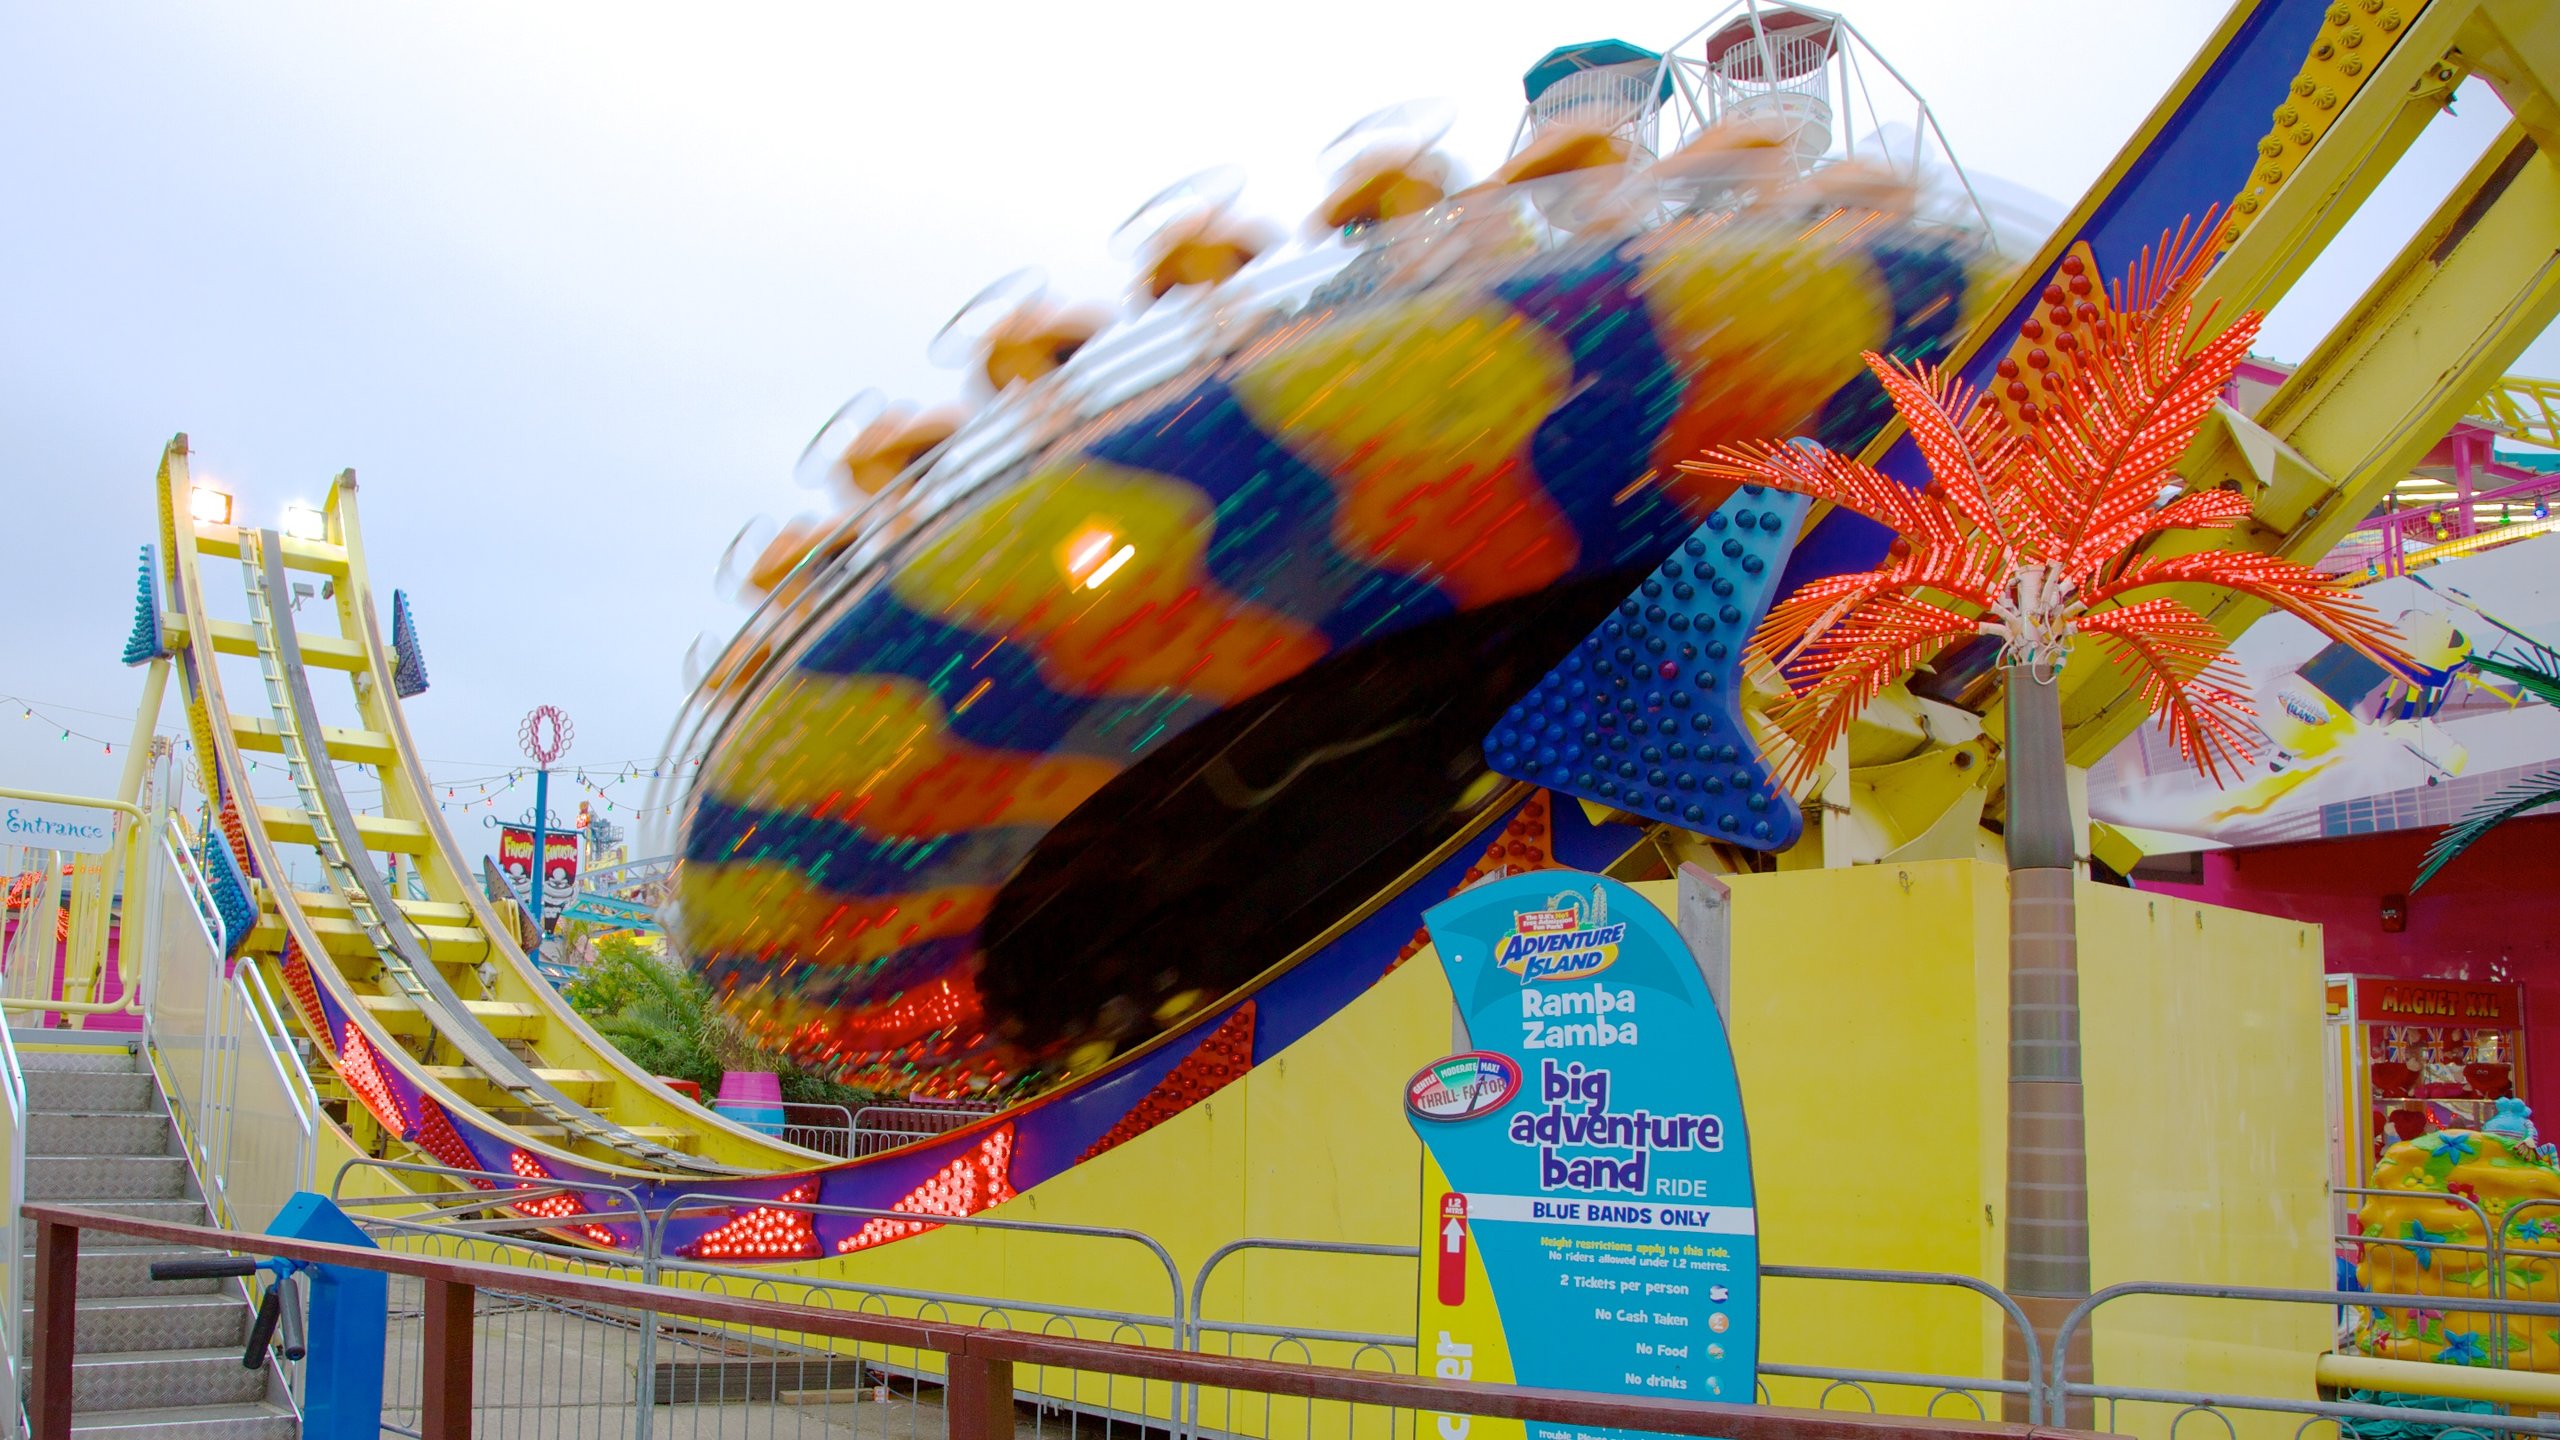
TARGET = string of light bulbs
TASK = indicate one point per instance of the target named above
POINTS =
(482, 796)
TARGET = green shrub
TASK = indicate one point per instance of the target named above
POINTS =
(665, 1021)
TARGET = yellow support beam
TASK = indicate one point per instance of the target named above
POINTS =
(342, 937)
(325, 652)
(401, 1016)
(360, 747)
(317, 556)
(329, 905)
(586, 1087)
(2365, 105)
(2473, 287)
(232, 637)
(396, 837)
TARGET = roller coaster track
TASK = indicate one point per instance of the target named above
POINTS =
(438, 990)
(2525, 405)
(352, 875)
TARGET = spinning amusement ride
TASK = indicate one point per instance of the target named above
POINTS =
(1116, 735)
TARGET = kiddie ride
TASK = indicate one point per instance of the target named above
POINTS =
(1103, 757)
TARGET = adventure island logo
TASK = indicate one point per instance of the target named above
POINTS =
(1568, 940)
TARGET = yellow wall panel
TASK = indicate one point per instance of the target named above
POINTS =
(2208, 1143)
(1870, 1031)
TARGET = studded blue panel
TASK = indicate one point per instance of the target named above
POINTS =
(147, 642)
(229, 887)
(1646, 715)
(408, 662)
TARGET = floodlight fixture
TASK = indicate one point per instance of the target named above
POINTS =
(209, 506)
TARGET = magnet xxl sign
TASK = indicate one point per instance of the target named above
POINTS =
(1586, 1203)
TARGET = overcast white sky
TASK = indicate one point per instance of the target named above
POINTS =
(570, 286)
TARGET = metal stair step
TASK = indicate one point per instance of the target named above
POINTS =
(79, 1179)
(166, 1212)
(122, 1324)
(92, 1091)
(97, 1132)
(76, 1060)
(124, 1270)
(164, 1379)
(196, 1422)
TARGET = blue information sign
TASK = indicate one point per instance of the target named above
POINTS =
(1586, 1202)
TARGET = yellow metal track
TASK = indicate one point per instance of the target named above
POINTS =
(438, 987)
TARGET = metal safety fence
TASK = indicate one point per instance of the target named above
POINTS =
(2449, 1250)
(484, 1333)
(877, 1128)
(1301, 1314)
(816, 1125)
(2115, 1405)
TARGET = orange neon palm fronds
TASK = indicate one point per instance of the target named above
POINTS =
(2043, 492)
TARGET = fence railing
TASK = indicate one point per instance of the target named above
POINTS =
(239, 1092)
(2519, 1246)
(2060, 1389)
(13, 1155)
(834, 1366)
(1939, 1388)
(886, 1127)
(484, 1224)
(469, 1231)
(816, 1125)
(1139, 1325)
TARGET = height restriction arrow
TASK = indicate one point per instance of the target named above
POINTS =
(1453, 1249)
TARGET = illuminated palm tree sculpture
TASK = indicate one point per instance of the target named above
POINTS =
(2043, 496)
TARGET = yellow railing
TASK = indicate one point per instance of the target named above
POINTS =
(63, 910)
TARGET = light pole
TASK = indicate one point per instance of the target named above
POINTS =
(544, 737)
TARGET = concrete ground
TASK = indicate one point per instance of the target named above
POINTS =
(562, 1374)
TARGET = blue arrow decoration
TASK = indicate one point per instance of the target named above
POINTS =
(149, 641)
(409, 663)
(1646, 715)
(232, 905)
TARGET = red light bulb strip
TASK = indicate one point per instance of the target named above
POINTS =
(306, 997)
(976, 1181)
(766, 1232)
(364, 1077)
(440, 1140)
(1219, 1061)
(548, 1207)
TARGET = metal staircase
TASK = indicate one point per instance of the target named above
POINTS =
(155, 1358)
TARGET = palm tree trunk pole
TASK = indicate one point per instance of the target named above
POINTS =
(2047, 1258)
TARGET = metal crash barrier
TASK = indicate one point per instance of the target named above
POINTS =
(691, 1372)
(465, 1382)
(2060, 1390)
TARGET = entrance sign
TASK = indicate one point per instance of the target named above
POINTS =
(47, 825)
(1586, 1200)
